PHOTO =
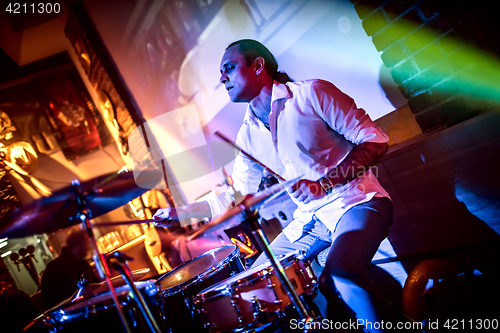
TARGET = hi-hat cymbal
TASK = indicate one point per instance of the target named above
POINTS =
(84, 293)
(97, 288)
(251, 202)
(102, 195)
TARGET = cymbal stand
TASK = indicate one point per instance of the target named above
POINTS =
(251, 219)
(84, 214)
(120, 263)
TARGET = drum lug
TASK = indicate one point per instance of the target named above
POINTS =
(271, 285)
(278, 301)
(260, 310)
(234, 303)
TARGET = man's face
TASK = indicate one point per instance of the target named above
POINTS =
(238, 78)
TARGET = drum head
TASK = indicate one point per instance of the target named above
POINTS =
(196, 269)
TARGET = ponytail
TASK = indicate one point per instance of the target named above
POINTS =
(252, 49)
(281, 77)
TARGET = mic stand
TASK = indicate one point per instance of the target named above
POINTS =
(84, 214)
(251, 219)
(120, 263)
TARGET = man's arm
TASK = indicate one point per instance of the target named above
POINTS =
(357, 162)
(361, 158)
(341, 114)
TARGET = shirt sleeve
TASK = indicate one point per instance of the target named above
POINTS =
(340, 112)
(247, 174)
(220, 202)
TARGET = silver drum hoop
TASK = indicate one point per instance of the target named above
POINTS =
(202, 276)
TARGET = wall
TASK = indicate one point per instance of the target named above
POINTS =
(444, 186)
(442, 54)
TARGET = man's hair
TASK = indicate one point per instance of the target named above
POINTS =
(76, 237)
(252, 49)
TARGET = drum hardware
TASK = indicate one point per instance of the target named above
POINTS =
(88, 199)
(96, 314)
(49, 214)
(84, 214)
(87, 289)
(252, 220)
(248, 209)
(254, 299)
(260, 310)
(119, 262)
(250, 202)
(180, 285)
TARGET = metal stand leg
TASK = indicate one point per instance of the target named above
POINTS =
(99, 258)
(121, 265)
(251, 219)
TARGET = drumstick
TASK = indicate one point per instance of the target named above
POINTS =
(223, 137)
(115, 223)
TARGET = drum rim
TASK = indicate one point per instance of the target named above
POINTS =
(61, 316)
(214, 292)
(200, 277)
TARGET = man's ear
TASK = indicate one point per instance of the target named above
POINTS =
(259, 65)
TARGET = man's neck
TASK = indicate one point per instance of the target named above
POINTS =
(261, 105)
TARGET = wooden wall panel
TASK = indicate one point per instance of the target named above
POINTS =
(445, 189)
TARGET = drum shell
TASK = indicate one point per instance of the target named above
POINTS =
(178, 308)
(233, 307)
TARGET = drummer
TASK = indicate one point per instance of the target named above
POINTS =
(60, 278)
(309, 129)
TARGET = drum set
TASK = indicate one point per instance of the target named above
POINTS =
(210, 293)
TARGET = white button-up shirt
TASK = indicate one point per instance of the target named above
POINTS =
(313, 127)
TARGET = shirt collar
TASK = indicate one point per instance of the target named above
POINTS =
(279, 91)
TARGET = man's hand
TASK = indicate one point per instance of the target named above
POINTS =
(307, 190)
(166, 216)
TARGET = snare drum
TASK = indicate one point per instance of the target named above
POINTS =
(98, 313)
(180, 285)
(253, 298)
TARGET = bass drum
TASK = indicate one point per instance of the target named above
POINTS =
(255, 297)
(180, 285)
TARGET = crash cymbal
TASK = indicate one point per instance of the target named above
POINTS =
(250, 202)
(102, 195)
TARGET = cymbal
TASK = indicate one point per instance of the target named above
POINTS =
(102, 195)
(250, 202)
(84, 293)
(97, 288)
